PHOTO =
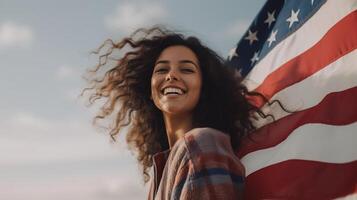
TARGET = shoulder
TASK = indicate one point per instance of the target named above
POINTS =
(202, 142)
(201, 146)
(207, 140)
(211, 147)
(208, 166)
(203, 138)
(207, 132)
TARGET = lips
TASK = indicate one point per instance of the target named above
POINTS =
(172, 91)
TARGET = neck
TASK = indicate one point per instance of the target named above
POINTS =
(176, 127)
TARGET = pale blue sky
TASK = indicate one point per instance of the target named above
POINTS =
(48, 148)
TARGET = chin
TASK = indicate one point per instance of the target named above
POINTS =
(174, 110)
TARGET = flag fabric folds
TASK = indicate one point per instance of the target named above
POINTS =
(302, 53)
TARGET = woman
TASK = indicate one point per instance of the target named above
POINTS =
(187, 112)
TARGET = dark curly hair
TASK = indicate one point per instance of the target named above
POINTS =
(126, 89)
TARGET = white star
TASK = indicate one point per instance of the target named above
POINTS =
(272, 37)
(232, 53)
(270, 18)
(293, 17)
(252, 37)
(254, 58)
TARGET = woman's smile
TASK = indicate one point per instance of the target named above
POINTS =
(172, 90)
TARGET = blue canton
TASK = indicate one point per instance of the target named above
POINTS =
(276, 21)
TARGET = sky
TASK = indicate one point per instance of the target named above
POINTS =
(49, 148)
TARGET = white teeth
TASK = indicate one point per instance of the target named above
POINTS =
(172, 90)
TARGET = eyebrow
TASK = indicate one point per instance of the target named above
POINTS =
(181, 61)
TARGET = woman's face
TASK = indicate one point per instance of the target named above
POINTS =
(176, 81)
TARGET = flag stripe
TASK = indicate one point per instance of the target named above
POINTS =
(350, 196)
(314, 89)
(327, 112)
(313, 60)
(294, 45)
(314, 179)
(336, 144)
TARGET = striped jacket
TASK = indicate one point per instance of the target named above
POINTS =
(201, 165)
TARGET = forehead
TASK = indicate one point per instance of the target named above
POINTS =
(178, 53)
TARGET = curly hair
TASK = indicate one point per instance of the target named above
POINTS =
(126, 89)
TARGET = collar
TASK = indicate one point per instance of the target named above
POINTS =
(159, 161)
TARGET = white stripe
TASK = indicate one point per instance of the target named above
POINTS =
(338, 76)
(300, 41)
(348, 197)
(318, 142)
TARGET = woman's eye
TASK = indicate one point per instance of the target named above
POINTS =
(160, 70)
(188, 70)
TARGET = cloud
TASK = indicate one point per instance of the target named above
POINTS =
(12, 34)
(44, 158)
(24, 121)
(73, 95)
(237, 28)
(69, 75)
(108, 186)
(34, 139)
(66, 71)
(130, 16)
(123, 187)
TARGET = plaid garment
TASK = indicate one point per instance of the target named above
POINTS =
(201, 165)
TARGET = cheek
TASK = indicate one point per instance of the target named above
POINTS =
(198, 94)
(154, 91)
(153, 88)
(196, 85)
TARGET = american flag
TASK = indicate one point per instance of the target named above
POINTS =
(302, 53)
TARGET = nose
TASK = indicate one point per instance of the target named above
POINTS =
(171, 76)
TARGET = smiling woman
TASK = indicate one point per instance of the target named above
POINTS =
(187, 112)
(175, 88)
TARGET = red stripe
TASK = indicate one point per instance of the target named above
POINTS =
(337, 108)
(298, 179)
(337, 42)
